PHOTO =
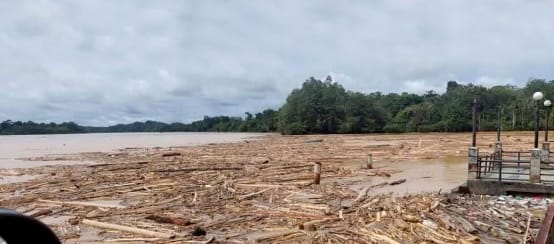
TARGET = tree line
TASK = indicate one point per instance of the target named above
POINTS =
(324, 106)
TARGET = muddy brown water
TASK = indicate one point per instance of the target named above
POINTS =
(14, 148)
(425, 175)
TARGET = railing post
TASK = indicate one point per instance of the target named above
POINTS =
(487, 164)
(498, 150)
(473, 154)
(535, 170)
(545, 157)
(500, 172)
(492, 164)
(479, 167)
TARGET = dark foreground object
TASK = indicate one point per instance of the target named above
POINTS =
(546, 235)
(16, 228)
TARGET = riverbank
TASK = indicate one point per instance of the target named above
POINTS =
(261, 190)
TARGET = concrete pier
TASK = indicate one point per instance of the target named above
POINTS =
(510, 172)
(535, 170)
(473, 154)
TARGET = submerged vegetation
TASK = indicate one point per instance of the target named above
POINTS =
(324, 106)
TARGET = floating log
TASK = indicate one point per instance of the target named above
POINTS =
(126, 229)
(169, 220)
(41, 213)
(171, 154)
(397, 182)
(199, 169)
(86, 204)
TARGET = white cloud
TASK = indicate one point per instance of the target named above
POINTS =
(493, 81)
(103, 61)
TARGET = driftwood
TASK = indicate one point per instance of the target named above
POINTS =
(466, 225)
(171, 154)
(397, 182)
(271, 235)
(170, 220)
(525, 237)
(41, 213)
(85, 204)
(261, 191)
(133, 240)
(199, 169)
(126, 229)
(254, 194)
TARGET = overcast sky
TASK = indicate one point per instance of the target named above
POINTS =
(101, 62)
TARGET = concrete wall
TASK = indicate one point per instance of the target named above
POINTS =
(482, 187)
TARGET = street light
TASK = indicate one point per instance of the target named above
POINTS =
(548, 105)
(474, 130)
(537, 96)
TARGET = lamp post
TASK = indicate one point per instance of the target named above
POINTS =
(537, 96)
(474, 130)
(499, 123)
(548, 105)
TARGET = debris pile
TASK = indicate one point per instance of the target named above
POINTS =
(254, 191)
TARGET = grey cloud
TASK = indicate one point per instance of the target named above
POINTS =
(101, 62)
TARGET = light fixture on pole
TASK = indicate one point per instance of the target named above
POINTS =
(537, 96)
(548, 105)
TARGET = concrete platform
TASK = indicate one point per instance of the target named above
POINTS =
(490, 187)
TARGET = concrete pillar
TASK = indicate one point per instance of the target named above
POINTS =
(535, 171)
(498, 147)
(497, 151)
(473, 153)
(545, 156)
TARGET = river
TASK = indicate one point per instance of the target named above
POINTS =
(423, 175)
(14, 148)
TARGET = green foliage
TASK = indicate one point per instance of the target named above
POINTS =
(23, 128)
(326, 107)
(318, 107)
(356, 112)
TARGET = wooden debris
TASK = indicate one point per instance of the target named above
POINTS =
(466, 225)
(133, 230)
(254, 194)
(86, 204)
(170, 220)
(397, 182)
(41, 213)
(411, 218)
(133, 240)
(260, 191)
(171, 154)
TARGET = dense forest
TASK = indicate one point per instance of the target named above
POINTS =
(326, 107)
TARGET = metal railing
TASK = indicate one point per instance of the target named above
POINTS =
(547, 172)
(504, 166)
